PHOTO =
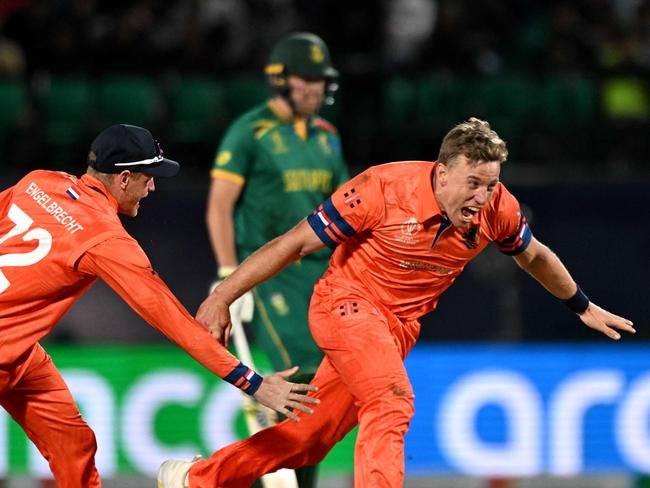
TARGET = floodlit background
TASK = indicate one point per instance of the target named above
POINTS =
(511, 390)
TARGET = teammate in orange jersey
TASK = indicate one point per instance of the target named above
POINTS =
(58, 233)
(402, 233)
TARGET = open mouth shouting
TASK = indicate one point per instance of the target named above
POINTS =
(468, 213)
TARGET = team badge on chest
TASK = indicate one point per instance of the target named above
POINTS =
(408, 229)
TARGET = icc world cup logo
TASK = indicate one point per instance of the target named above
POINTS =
(411, 227)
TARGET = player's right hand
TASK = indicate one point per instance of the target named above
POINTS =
(281, 395)
(241, 309)
(603, 321)
(214, 315)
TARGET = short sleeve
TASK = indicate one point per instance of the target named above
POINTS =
(513, 232)
(358, 205)
(235, 154)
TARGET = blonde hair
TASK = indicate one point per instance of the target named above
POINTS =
(474, 139)
(105, 178)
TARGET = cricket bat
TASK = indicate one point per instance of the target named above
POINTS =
(258, 416)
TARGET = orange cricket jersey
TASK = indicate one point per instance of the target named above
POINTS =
(393, 242)
(58, 233)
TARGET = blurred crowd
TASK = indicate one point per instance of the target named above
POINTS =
(566, 83)
(213, 36)
(604, 41)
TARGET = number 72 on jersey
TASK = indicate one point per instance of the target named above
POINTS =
(22, 223)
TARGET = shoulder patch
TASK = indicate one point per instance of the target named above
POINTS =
(223, 158)
(325, 125)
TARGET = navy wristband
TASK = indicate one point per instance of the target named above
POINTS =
(245, 379)
(579, 302)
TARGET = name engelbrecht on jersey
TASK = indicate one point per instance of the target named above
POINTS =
(53, 208)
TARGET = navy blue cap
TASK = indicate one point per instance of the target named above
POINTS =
(123, 146)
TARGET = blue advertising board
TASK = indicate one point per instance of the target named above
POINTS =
(529, 409)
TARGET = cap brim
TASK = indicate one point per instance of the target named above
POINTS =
(165, 168)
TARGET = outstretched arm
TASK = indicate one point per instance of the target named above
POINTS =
(263, 264)
(544, 265)
(124, 267)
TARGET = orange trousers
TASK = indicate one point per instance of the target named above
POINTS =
(362, 379)
(33, 392)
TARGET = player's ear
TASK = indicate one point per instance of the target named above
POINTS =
(123, 178)
(442, 172)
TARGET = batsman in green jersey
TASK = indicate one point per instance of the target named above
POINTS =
(276, 163)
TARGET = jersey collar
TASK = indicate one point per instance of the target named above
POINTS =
(95, 185)
(429, 206)
(272, 104)
(273, 107)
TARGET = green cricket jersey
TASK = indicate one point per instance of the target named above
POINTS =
(285, 177)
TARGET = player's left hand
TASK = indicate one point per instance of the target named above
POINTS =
(281, 395)
(603, 321)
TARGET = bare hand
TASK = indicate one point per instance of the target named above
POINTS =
(279, 394)
(601, 320)
(213, 314)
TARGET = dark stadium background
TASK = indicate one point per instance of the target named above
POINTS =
(566, 83)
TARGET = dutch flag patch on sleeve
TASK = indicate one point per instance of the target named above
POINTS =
(72, 193)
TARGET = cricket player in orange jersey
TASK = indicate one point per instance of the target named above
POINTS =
(58, 233)
(401, 233)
